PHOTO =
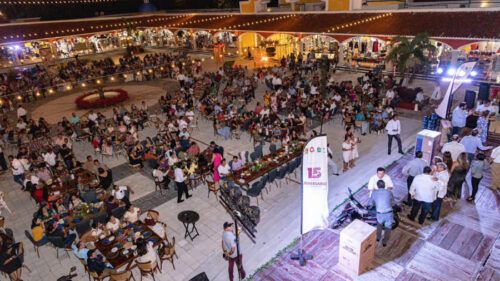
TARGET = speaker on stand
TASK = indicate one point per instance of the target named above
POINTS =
(470, 98)
(484, 92)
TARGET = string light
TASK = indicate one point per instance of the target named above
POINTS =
(337, 27)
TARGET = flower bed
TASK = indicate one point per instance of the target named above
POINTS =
(93, 100)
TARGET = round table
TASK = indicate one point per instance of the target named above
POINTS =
(189, 218)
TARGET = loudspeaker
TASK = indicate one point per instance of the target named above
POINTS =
(470, 99)
(200, 277)
(484, 91)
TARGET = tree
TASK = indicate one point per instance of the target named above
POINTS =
(407, 53)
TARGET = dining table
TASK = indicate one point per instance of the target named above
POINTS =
(254, 170)
(119, 248)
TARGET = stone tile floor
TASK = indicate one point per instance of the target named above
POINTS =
(280, 208)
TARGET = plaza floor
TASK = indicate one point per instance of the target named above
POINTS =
(280, 209)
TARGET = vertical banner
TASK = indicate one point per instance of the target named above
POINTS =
(315, 184)
(458, 78)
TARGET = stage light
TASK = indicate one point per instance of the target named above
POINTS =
(439, 70)
(451, 71)
(473, 73)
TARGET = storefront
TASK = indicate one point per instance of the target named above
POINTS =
(227, 38)
(184, 38)
(320, 45)
(203, 39)
(367, 52)
(157, 37)
(72, 46)
(23, 53)
(280, 45)
(487, 55)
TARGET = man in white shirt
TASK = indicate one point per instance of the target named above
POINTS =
(414, 168)
(393, 129)
(93, 116)
(454, 147)
(122, 193)
(21, 125)
(132, 214)
(17, 170)
(443, 177)
(179, 182)
(423, 190)
(381, 175)
(22, 113)
(276, 82)
(224, 169)
(485, 106)
(495, 168)
(50, 158)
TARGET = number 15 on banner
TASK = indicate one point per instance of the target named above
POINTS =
(314, 173)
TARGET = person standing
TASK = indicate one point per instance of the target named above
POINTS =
(381, 175)
(472, 143)
(443, 177)
(457, 178)
(454, 147)
(393, 129)
(477, 168)
(458, 117)
(17, 170)
(383, 199)
(423, 190)
(495, 168)
(414, 168)
(3, 163)
(179, 182)
(231, 251)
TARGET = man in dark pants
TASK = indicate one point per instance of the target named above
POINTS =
(443, 176)
(414, 168)
(383, 200)
(179, 182)
(393, 129)
(423, 190)
(230, 251)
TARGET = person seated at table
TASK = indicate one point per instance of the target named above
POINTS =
(80, 251)
(113, 224)
(224, 169)
(59, 229)
(236, 164)
(161, 175)
(111, 204)
(223, 130)
(132, 214)
(10, 261)
(94, 233)
(145, 252)
(122, 193)
(96, 263)
(105, 178)
(44, 174)
(193, 149)
(38, 232)
(74, 202)
(134, 158)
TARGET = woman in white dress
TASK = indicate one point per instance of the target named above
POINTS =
(354, 152)
(347, 152)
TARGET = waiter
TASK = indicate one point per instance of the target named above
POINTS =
(179, 182)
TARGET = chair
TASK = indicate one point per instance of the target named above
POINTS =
(82, 227)
(122, 276)
(255, 190)
(272, 177)
(259, 150)
(272, 148)
(118, 212)
(281, 174)
(96, 277)
(148, 268)
(160, 185)
(168, 253)
(58, 243)
(212, 188)
(36, 245)
(253, 156)
(85, 267)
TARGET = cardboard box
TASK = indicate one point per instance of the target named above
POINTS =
(357, 247)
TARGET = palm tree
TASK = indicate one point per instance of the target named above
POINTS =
(409, 53)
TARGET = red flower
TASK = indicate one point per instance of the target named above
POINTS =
(82, 103)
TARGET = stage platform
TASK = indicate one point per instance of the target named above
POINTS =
(463, 245)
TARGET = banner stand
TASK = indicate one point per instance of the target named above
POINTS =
(315, 167)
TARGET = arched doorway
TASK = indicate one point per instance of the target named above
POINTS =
(320, 45)
(203, 39)
(249, 44)
(280, 45)
(363, 51)
(486, 53)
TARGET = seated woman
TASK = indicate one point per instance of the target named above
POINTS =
(10, 260)
(145, 252)
(132, 214)
(113, 224)
(135, 159)
(105, 178)
(38, 232)
(94, 233)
